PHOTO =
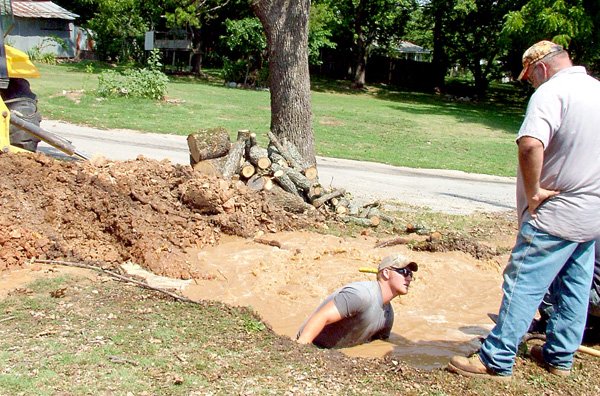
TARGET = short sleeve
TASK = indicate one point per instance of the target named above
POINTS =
(543, 116)
(350, 300)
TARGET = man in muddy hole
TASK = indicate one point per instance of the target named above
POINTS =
(558, 201)
(361, 311)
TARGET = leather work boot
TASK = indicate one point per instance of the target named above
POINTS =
(537, 355)
(473, 367)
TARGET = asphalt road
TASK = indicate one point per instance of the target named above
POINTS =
(446, 191)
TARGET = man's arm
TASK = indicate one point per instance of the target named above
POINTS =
(326, 315)
(531, 159)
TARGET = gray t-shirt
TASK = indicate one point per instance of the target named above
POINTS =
(364, 316)
(564, 114)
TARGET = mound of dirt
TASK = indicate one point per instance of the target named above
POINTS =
(143, 210)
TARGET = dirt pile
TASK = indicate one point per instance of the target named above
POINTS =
(143, 210)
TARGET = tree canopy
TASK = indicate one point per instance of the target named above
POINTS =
(485, 38)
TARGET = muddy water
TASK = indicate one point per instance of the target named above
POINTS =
(444, 313)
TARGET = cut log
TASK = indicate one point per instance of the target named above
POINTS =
(293, 152)
(208, 144)
(283, 180)
(259, 183)
(247, 170)
(299, 180)
(314, 192)
(341, 209)
(211, 167)
(326, 197)
(244, 134)
(259, 157)
(372, 222)
(375, 221)
(393, 242)
(289, 202)
(234, 159)
(311, 173)
(282, 150)
(253, 139)
(277, 158)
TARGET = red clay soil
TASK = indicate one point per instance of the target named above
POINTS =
(143, 210)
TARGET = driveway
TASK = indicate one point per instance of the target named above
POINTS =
(447, 191)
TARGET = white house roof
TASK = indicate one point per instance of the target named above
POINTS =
(406, 47)
(41, 9)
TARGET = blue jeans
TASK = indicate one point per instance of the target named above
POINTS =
(536, 260)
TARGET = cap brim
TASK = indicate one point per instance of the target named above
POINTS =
(414, 267)
(523, 73)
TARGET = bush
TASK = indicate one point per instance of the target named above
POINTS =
(139, 83)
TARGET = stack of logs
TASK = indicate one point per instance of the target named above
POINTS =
(278, 169)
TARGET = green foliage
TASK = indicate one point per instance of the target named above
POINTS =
(37, 56)
(119, 29)
(244, 62)
(148, 82)
(359, 24)
(253, 325)
(319, 33)
(575, 24)
(245, 37)
(557, 20)
(40, 53)
(154, 61)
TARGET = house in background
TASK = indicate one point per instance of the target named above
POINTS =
(37, 23)
(409, 51)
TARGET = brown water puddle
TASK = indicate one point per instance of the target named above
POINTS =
(444, 313)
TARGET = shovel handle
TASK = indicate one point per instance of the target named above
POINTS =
(369, 270)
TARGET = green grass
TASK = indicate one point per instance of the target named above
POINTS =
(109, 338)
(379, 124)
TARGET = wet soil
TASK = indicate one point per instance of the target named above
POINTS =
(173, 222)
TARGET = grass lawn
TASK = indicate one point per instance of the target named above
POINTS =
(379, 124)
(73, 335)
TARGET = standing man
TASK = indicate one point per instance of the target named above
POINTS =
(361, 311)
(558, 203)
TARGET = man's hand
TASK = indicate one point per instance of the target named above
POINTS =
(537, 199)
(531, 159)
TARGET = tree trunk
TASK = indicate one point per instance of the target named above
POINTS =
(361, 63)
(362, 45)
(286, 27)
(481, 81)
(196, 61)
(440, 59)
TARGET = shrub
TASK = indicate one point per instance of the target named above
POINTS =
(139, 83)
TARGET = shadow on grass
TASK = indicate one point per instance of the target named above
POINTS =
(502, 108)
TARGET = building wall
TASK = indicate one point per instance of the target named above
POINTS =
(29, 33)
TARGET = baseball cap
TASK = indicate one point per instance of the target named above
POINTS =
(397, 261)
(536, 52)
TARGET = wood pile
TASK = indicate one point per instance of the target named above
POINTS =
(278, 169)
